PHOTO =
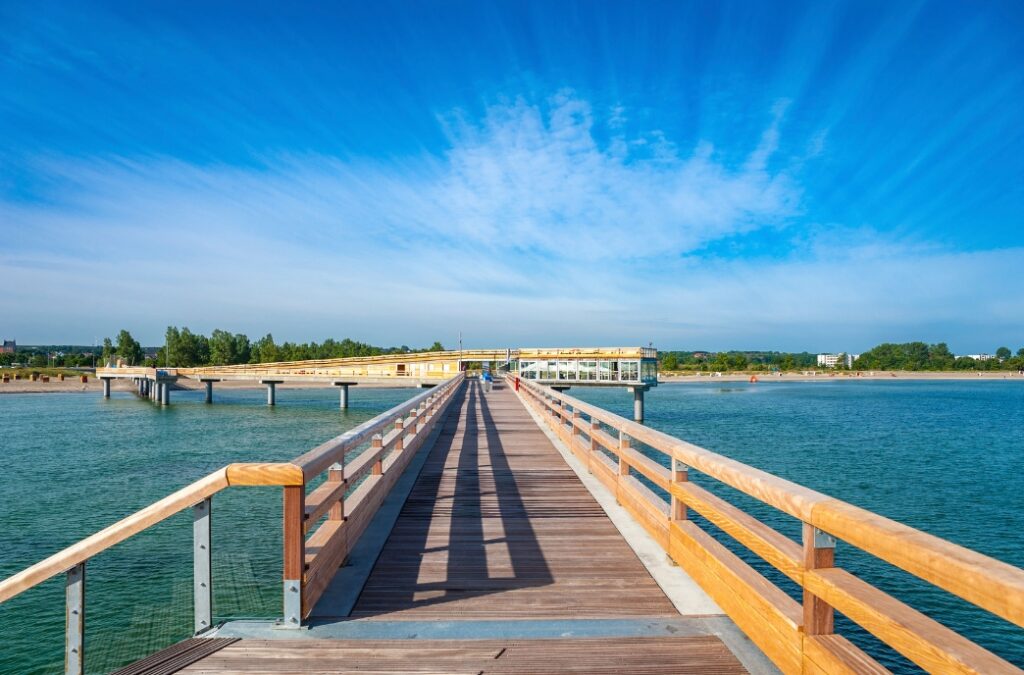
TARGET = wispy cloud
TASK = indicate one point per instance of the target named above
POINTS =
(530, 227)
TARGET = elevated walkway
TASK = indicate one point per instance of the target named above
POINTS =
(499, 561)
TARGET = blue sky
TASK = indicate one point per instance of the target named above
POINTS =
(820, 176)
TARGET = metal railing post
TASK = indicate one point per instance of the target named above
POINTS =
(294, 553)
(202, 564)
(819, 552)
(74, 640)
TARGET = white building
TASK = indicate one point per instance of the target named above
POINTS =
(980, 357)
(831, 360)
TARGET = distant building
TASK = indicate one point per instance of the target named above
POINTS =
(701, 355)
(9, 347)
(831, 360)
(981, 357)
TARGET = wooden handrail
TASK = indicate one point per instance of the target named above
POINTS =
(320, 458)
(308, 565)
(79, 552)
(986, 582)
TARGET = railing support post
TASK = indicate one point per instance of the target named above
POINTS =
(375, 445)
(400, 441)
(623, 465)
(202, 564)
(294, 553)
(574, 439)
(680, 474)
(819, 552)
(595, 426)
(337, 473)
(74, 641)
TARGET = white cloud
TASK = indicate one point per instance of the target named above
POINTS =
(528, 229)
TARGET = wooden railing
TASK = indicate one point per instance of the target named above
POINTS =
(309, 564)
(797, 637)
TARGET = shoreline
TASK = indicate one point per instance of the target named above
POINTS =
(844, 376)
(94, 385)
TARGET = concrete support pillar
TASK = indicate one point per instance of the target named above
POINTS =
(154, 390)
(106, 386)
(145, 387)
(271, 393)
(209, 391)
(638, 403)
(165, 393)
(343, 396)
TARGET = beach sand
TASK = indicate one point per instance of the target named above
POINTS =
(828, 376)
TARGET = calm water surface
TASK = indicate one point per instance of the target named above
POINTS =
(75, 463)
(947, 457)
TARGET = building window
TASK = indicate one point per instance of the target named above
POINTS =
(608, 370)
(629, 371)
(588, 370)
(566, 370)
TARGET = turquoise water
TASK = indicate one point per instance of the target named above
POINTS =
(947, 457)
(75, 463)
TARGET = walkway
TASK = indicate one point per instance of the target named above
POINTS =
(501, 551)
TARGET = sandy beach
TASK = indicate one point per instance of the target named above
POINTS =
(827, 376)
(93, 385)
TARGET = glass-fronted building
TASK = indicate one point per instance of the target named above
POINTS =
(597, 366)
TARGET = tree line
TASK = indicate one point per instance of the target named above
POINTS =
(700, 361)
(887, 356)
(185, 349)
(923, 356)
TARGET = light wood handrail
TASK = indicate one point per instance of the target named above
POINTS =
(114, 534)
(320, 458)
(986, 582)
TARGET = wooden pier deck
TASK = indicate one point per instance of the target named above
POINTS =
(465, 531)
(497, 528)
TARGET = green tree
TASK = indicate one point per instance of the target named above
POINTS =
(265, 350)
(670, 362)
(128, 349)
(222, 348)
(1003, 353)
(108, 351)
(436, 347)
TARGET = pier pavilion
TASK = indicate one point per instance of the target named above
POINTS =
(635, 368)
(522, 530)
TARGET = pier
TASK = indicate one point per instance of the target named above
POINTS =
(634, 368)
(524, 530)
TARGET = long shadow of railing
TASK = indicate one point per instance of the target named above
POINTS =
(394, 584)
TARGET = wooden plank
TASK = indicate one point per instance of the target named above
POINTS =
(921, 639)
(655, 472)
(769, 617)
(320, 458)
(320, 500)
(123, 529)
(835, 655)
(690, 655)
(326, 550)
(984, 581)
(498, 526)
(264, 474)
(781, 552)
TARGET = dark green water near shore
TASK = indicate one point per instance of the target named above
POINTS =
(947, 457)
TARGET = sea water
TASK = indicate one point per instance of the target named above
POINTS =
(946, 457)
